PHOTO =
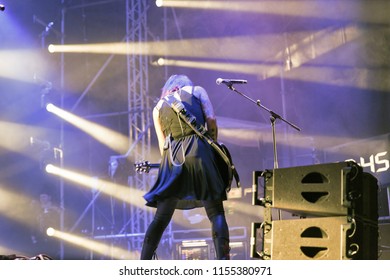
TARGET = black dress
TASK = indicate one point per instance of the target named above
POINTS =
(189, 167)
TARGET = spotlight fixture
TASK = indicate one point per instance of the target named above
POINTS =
(49, 168)
(50, 231)
(51, 48)
(50, 107)
(158, 62)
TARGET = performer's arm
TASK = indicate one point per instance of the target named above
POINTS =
(208, 112)
(159, 132)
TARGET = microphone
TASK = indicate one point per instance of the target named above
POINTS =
(230, 81)
(2, 7)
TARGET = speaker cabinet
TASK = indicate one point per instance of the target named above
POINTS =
(364, 198)
(319, 190)
(340, 203)
(325, 238)
(384, 241)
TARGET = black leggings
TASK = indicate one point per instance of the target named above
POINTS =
(165, 209)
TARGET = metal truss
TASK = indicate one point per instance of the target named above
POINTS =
(135, 220)
(139, 121)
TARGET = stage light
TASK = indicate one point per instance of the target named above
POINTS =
(159, 3)
(93, 245)
(50, 168)
(323, 9)
(50, 107)
(206, 48)
(266, 62)
(121, 192)
(248, 68)
(11, 203)
(106, 136)
(17, 64)
(161, 61)
(13, 138)
(124, 193)
(158, 62)
(50, 231)
(51, 48)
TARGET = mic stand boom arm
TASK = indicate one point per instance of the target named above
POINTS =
(273, 118)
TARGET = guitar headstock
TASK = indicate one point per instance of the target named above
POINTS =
(142, 167)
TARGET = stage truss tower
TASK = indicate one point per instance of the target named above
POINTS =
(135, 220)
(139, 120)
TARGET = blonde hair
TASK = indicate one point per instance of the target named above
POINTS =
(175, 82)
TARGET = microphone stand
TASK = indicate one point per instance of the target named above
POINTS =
(273, 117)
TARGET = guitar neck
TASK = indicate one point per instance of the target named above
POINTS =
(154, 165)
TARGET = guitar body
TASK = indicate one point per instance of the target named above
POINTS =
(224, 166)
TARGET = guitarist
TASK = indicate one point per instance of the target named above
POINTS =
(188, 176)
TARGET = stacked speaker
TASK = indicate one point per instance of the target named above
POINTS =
(334, 209)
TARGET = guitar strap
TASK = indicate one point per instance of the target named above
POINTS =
(201, 131)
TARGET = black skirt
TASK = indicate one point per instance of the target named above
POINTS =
(189, 171)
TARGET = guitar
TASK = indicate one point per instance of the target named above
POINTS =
(227, 171)
(145, 166)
